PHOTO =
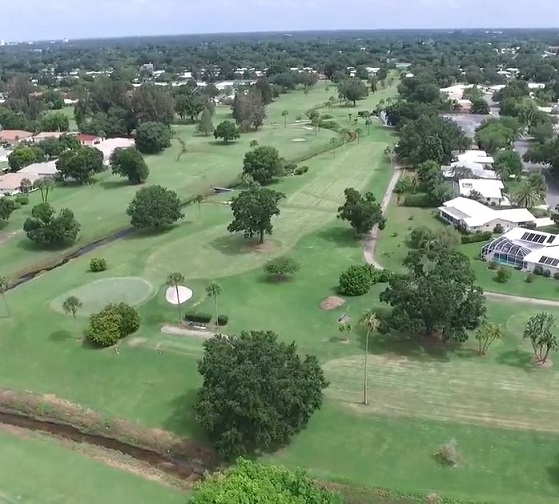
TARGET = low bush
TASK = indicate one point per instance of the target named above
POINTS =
(419, 200)
(448, 454)
(290, 168)
(503, 275)
(300, 170)
(556, 276)
(538, 270)
(478, 236)
(330, 125)
(355, 281)
(104, 328)
(529, 278)
(97, 265)
(200, 318)
(281, 268)
(546, 273)
(22, 199)
(492, 265)
(222, 320)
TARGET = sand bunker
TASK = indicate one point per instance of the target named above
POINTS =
(331, 303)
(298, 139)
(178, 295)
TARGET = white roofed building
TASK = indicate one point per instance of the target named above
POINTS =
(472, 216)
(525, 249)
(486, 191)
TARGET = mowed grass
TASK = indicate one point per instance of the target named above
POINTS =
(35, 468)
(101, 208)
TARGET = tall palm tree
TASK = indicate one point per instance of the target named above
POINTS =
(358, 132)
(368, 123)
(284, 114)
(334, 142)
(72, 305)
(3, 288)
(370, 321)
(199, 199)
(214, 290)
(174, 280)
(45, 186)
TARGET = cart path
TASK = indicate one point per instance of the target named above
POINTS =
(370, 242)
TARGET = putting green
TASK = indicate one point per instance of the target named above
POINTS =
(95, 295)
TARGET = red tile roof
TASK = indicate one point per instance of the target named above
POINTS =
(87, 138)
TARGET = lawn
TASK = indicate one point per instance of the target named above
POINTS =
(40, 469)
(499, 408)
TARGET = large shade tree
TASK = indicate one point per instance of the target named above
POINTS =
(129, 163)
(263, 164)
(257, 392)
(154, 207)
(253, 210)
(437, 297)
(46, 228)
(362, 211)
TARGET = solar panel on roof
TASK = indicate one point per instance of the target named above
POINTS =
(555, 262)
(525, 236)
(541, 238)
(550, 239)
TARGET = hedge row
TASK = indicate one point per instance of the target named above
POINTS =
(419, 200)
(205, 318)
(478, 236)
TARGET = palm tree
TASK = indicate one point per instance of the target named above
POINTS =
(334, 141)
(370, 321)
(368, 123)
(346, 134)
(174, 280)
(45, 186)
(214, 290)
(284, 114)
(531, 191)
(331, 102)
(358, 132)
(3, 288)
(72, 305)
(199, 199)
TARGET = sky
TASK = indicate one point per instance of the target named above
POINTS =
(56, 19)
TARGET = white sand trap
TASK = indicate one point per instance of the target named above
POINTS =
(298, 139)
(308, 128)
(184, 294)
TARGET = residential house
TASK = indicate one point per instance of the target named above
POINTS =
(472, 216)
(525, 249)
(464, 106)
(488, 192)
(44, 135)
(14, 136)
(10, 183)
(89, 140)
(43, 170)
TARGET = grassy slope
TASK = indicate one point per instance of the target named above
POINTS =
(38, 469)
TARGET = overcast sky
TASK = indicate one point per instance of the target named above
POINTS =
(40, 19)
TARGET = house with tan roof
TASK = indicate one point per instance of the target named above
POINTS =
(14, 136)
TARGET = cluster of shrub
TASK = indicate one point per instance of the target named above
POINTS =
(358, 279)
(206, 318)
(478, 236)
(97, 264)
(111, 324)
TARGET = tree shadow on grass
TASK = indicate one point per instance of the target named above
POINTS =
(60, 336)
(181, 420)
(553, 472)
(230, 245)
(339, 236)
(516, 358)
(115, 184)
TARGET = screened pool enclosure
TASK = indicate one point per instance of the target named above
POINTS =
(505, 251)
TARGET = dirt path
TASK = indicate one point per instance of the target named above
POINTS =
(506, 298)
(371, 239)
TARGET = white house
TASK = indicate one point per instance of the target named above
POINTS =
(489, 192)
(525, 249)
(473, 216)
(474, 156)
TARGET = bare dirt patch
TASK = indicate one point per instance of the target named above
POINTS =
(464, 391)
(267, 246)
(331, 303)
(203, 334)
(545, 365)
(4, 237)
